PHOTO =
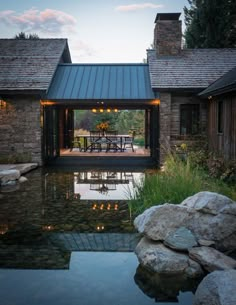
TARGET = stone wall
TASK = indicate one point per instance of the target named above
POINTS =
(168, 37)
(170, 122)
(20, 130)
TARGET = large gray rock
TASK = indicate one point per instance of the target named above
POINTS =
(208, 202)
(211, 259)
(141, 220)
(182, 239)
(203, 221)
(163, 220)
(9, 175)
(162, 260)
(217, 288)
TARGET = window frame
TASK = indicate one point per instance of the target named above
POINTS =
(192, 112)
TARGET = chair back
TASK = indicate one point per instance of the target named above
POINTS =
(94, 135)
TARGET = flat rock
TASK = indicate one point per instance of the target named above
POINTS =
(9, 175)
(205, 242)
(182, 239)
(211, 259)
(208, 202)
(25, 167)
(158, 258)
(217, 288)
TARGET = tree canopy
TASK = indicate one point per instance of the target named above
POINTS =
(210, 24)
(23, 35)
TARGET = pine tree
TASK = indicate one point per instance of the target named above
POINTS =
(23, 35)
(210, 24)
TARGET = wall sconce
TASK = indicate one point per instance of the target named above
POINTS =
(156, 102)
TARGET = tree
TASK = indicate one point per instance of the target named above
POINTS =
(210, 24)
(23, 35)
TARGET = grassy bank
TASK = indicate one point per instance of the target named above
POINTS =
(178, 181)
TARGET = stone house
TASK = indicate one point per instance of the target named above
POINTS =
(174, 76)
(180, 75)
(26, 70)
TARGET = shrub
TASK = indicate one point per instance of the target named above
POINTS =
(179, 180)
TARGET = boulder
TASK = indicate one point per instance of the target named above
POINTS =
(163, 220)
(201, 219)
(9, 175)
(218, 288)
(141, 220)
(211, 259)
(207, 202)
(182, 239)
(162, 260)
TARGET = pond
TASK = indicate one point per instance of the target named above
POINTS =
(67, 237)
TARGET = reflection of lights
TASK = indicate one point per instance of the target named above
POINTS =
(103, 206)
(100, 228)
(3, 229)
(47, 228)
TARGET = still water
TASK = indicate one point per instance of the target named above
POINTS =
(67, 237)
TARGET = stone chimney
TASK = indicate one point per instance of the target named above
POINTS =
(168, 34)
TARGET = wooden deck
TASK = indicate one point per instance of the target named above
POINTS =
(138, 152)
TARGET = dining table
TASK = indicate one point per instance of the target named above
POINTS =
(103, 140)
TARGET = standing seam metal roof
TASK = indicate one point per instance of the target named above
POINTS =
(101, 81)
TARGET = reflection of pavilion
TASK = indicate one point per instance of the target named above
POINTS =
(103, 182)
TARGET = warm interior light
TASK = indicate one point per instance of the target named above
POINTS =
(3, 104)
(156, 102)
(94, 110)
(108, 110)
(101, 110)
(115, 110)
(47, 103)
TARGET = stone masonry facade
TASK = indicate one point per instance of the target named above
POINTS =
(170, 137)
(20, 130)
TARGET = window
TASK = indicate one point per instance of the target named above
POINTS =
(220, 117)
(189, 119)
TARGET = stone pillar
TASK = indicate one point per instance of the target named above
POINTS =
(20, 130)
(165, 124)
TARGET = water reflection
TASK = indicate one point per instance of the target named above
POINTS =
(84, 201)
(164, 288)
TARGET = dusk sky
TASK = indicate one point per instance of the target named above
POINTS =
(97, 30)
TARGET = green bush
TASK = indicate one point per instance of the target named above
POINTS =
(179, 180)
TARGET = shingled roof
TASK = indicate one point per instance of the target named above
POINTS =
(192, 69)
(227, 83)
(29, 64)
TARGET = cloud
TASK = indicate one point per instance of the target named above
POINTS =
(135, 7)
(47, 21)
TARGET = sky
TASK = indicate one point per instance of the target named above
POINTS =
(98, 31)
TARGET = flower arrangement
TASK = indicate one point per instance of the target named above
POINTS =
(102, 126)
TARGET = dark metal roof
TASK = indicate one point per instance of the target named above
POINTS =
(192, 69)
(227, 83)
(101, 81)
(29, 64)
